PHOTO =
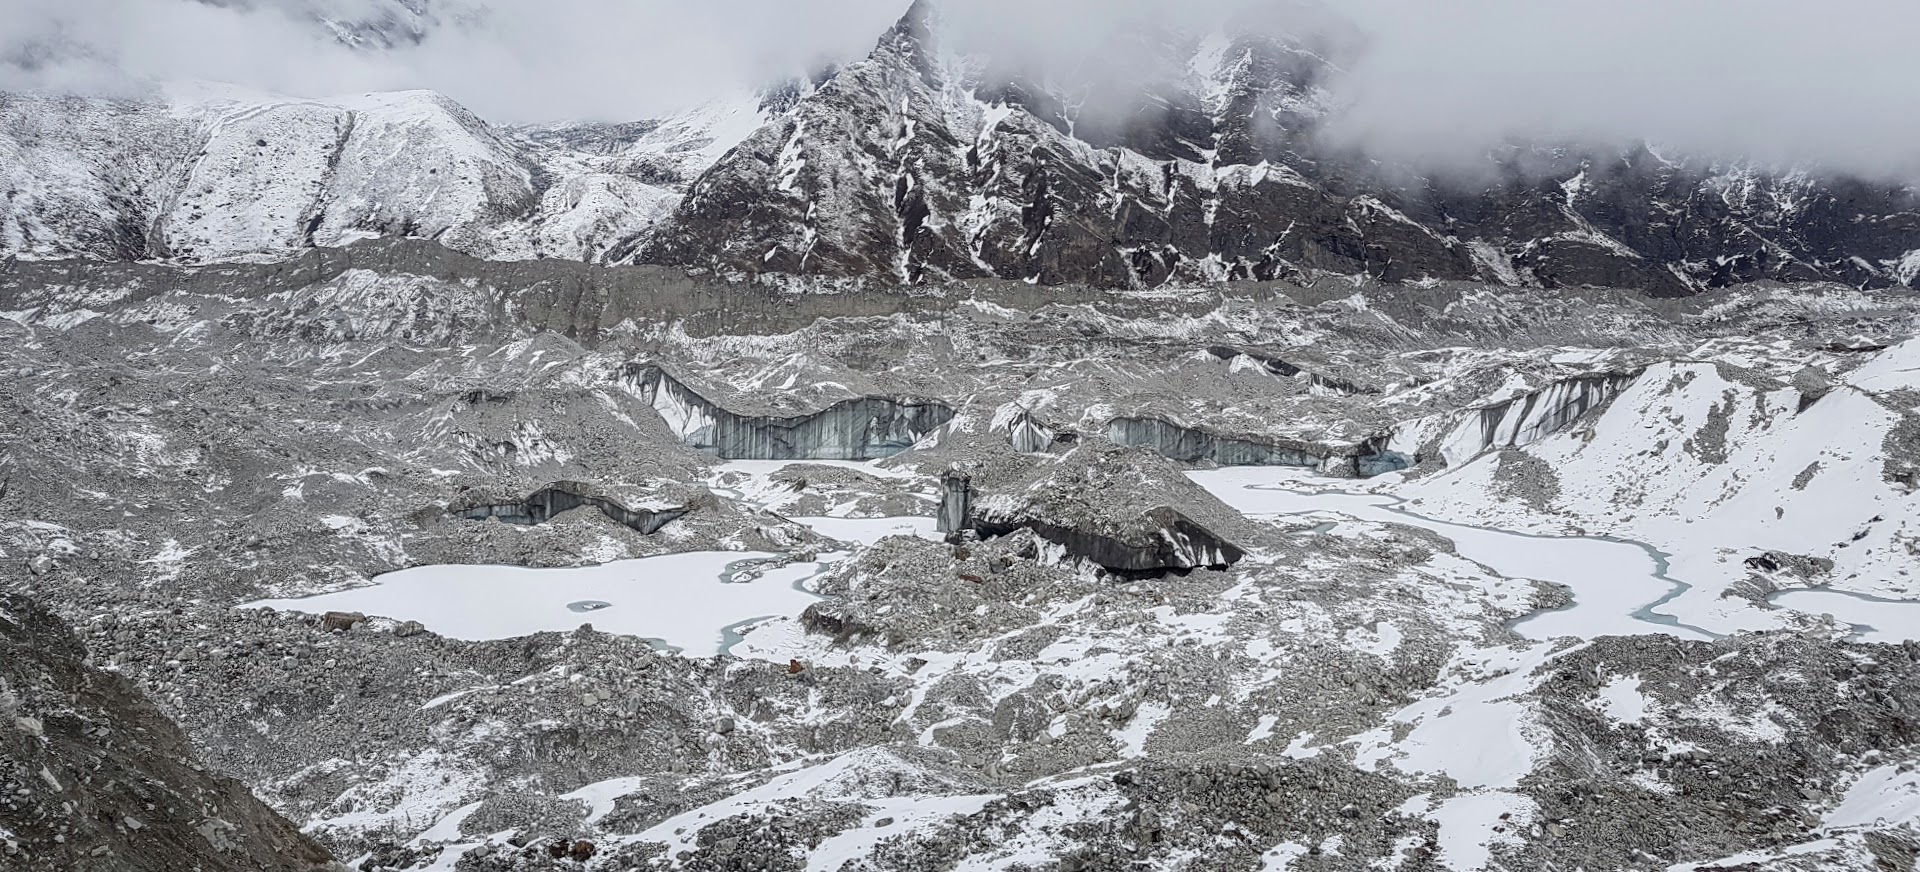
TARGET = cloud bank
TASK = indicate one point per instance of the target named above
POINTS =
(508, 60)
(1429, 82)
(1780, 81)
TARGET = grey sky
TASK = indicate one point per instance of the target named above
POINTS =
(525, 60)
(1777, 80)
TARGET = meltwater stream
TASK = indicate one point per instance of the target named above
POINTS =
(1618, 586)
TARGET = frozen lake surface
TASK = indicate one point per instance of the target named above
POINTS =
(866, 531)
(697, 602)
(684, 600)
(1873, 619)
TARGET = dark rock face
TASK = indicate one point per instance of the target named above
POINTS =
(1528, 419)
(900, 169)
(540, 507)
(1116, 532)
(866, 428)
(1189, 445)
(956, 503)
(97, 780)
(1178, 545)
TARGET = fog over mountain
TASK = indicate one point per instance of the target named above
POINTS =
(1429, 83)
(510, 60)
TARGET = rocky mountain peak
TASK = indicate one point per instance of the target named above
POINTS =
(1157, 152)
(1201, 159)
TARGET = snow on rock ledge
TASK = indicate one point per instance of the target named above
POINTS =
(1529, 418)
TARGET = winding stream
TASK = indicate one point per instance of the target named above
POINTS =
(1619, 585)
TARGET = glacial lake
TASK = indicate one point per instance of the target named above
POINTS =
(696, 602)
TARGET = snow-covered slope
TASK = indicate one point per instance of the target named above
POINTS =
(81, 175)
(209, 173)
(273, 176)
(216, 175)
(611, 183)
(1755, 478)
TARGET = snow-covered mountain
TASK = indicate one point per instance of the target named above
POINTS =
(924, 163)
(921, 164)
(210, 173)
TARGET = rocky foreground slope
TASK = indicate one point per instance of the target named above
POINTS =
(94, 777)
(1367, 684)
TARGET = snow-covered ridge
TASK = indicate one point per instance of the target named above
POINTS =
(211, 173)
(921, 164)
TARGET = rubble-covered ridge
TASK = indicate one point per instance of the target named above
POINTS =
(1112, 506)
(94, 778)
(542, 505)
(1596, 638)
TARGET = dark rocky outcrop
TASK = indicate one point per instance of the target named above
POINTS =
(1080, 504)
(1174, 543)
(864, 428)
(542, 505)
(1193, 445)
(93, 778)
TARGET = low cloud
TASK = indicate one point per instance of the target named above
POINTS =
(1433, 83)
(509, 60)
(1779, 81)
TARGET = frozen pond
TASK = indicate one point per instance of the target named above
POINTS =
(686, 601)
(866, 531)
(698, 602)
(1617, 586)
(1873, 619)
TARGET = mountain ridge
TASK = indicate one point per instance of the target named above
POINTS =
(926, 162)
